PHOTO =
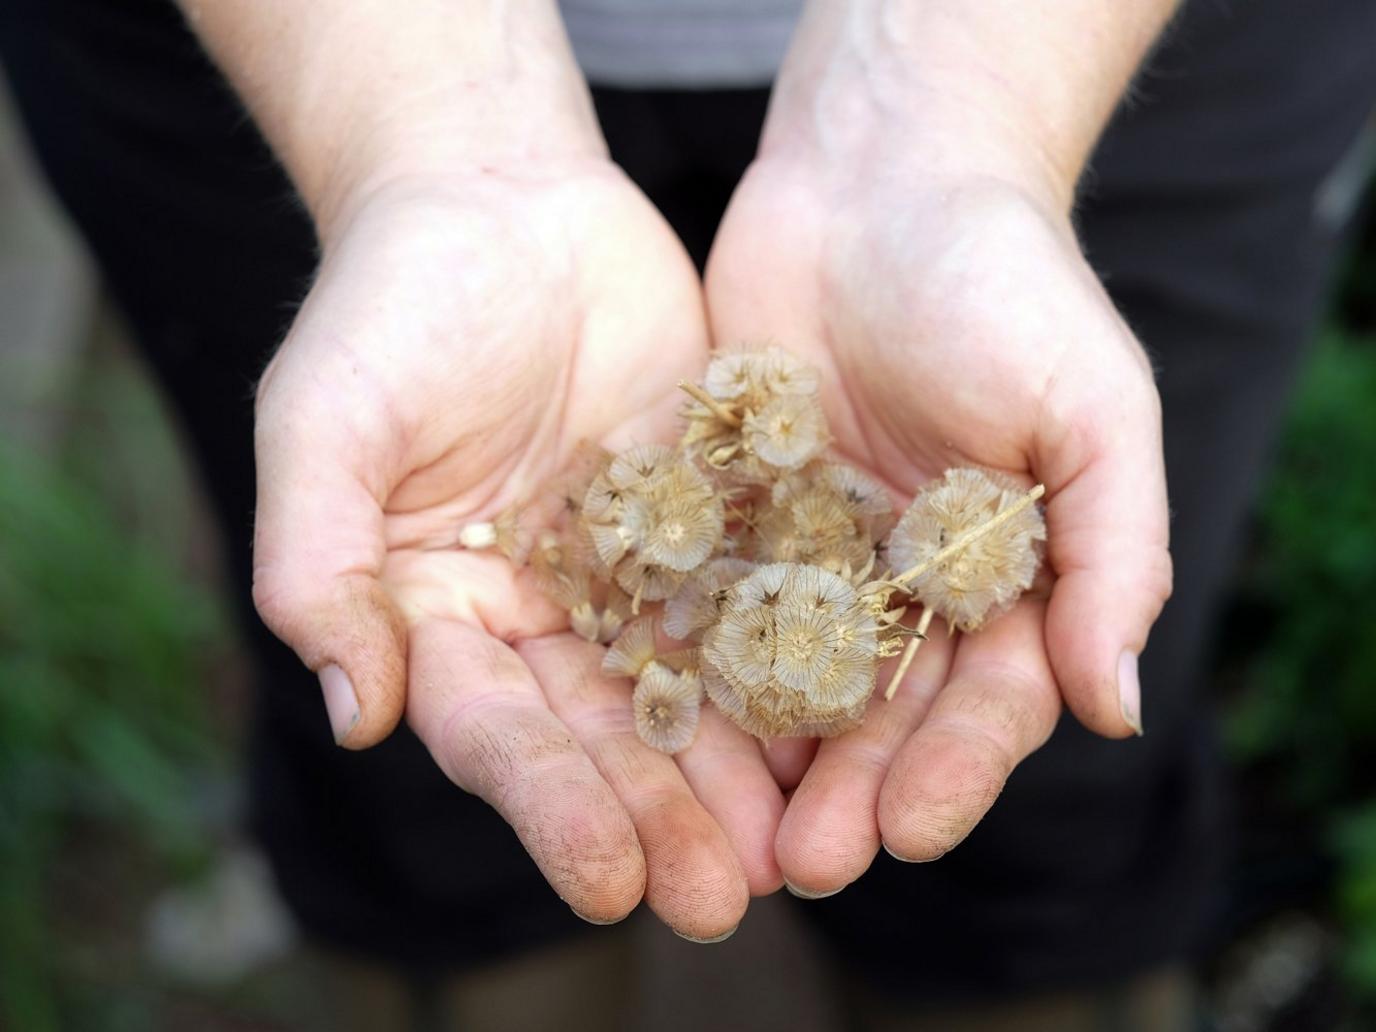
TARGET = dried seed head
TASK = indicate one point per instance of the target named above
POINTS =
(666, 708)
(647, 581)
(792, 652)
(681, 533)
(991, 572)
(638, 467)
(571, 488)
(758, 375)
(631, 652)
(868, 496)
(787, 432)
(757, 414)
(651, 518)
(616, 610)
(812, 523)
(585, 621)
(696, 605)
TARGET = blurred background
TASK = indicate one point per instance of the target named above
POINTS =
(130, 900)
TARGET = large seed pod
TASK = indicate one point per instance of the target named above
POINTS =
(652, 517)
(992, 571)
(793, 653)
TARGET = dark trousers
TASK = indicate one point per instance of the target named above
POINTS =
(1200, 212)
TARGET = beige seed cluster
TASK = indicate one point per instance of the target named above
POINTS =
(783, 574)
(793, 652)
(988, 575)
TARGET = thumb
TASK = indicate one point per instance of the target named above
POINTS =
(318, 551)
(1108, 530)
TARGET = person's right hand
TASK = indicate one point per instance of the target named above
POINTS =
(461, 339)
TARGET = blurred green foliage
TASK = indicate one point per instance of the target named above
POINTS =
(1308, 716)
(103, 643)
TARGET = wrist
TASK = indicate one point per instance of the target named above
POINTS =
(356, 94)
(960, 89)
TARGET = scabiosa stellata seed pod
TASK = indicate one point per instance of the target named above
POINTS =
(666, 707)
(652, 516)
(755, 415)
(993, 570)
(697, 604)
(632, 651)
(787, 432)
(793, 652)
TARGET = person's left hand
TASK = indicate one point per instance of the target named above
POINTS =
(956, 323)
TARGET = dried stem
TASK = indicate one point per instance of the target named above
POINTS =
(713, 405)
(914, 643)
(970, 537)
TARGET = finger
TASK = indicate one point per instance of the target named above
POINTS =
(693, 880)
(478, 709)
(830, 832)
(788, 759)
(1107, 542)
(999, 704)
(317, 552)
(726, 772)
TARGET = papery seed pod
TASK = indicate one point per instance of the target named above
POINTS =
(637, 467)
(867, 495)
(504, 533)
(603, 499)
(616, 611)
(733, 374)
(585, 621)
(681, 533)
(787, 432)
(647, 581)
(792, 652)
(685, 662)
(653, 517)
(695, 606)
(588, 460)
(804, 645)
(632, 651)
(784, 373)
(989, 574)
(666, 708)
(611, 541)
(561, 582)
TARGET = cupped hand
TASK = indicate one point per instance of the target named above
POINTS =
(956, 323)
(461, 339)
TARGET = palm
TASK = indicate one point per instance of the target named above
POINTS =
(959, 326)
(455, 351)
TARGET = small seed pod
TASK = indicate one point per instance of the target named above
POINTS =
(633, 651)
(988, 575)
(666, 707)
(787, 432)
(697, 604)
(793, 653)
(756, 415)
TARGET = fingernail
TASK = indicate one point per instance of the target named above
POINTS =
(808, 893)
(596, 921)
(1130, 690)
(716, 938)
(340, 701)
(911, 859)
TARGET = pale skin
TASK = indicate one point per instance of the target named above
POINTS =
(492, 290)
